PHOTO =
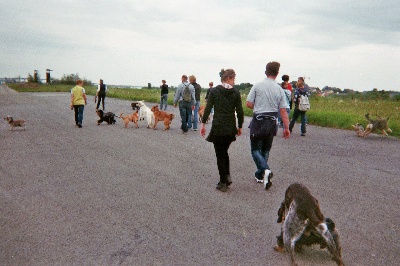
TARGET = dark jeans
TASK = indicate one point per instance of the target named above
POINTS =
(185, 109)
(164, 102)
(100, 98)
(260, 153)
(296, 115)
(79, 113)
(221, 146)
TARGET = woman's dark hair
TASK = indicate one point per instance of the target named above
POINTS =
(285, 78)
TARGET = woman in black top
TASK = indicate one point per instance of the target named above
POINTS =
(226, 101)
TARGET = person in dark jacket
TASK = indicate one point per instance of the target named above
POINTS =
(100, 94)
(164, 95)
(226, 100)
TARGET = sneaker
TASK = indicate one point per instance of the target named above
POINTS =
(222, 187)
(228, 180)
(194, 129)
(303, 134)
(79, 125)
(258, 180)
(267, 179)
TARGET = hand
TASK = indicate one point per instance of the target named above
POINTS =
(203, 130)
(193, 107)
(286, 133)
(239, 131)
(71, 107)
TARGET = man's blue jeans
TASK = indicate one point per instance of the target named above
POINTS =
(260, 153)
(79, 114)
(195, 116)
(296, 115)
(185, 108)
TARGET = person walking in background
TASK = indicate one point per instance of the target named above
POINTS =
(288, 95)
(197, 93)
(210, 85)
(78, 102)
(100, 94)
(186, 103)
(226, 100)
(266, 98)
(285, 79)
(300, 91)
(164, 95)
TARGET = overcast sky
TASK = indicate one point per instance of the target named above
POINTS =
(346, 44)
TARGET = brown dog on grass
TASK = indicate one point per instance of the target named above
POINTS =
(162, 116)
(379, 123)
(130, 118)
(15, 123)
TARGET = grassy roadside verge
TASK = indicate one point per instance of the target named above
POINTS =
(332, 112)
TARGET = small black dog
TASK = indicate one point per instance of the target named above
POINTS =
(107, 117)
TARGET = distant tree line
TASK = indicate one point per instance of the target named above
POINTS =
(65, 79)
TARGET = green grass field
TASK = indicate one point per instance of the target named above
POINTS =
(334, 112)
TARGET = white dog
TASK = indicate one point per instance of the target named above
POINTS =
(146, 113)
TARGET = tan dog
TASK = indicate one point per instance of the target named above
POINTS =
(359, 129)
(201, 113)
(379, 123)
(162, 116)
(15, 123)
(130, 118)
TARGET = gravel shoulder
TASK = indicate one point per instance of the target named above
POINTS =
(109, 195)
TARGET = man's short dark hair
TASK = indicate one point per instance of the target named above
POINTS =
(272, 69)
(285, 78)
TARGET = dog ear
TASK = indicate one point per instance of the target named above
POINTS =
(281, 213)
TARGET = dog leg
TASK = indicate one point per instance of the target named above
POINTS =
(292, 231)
(322, 229)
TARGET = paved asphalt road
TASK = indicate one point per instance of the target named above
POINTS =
(107, 195)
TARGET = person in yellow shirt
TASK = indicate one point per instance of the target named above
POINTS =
(78, 102)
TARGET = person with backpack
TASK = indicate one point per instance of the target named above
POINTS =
(226, 100)
(164, 95)
(302, 104)
(100, 94)
(197, 93)
(185, 97)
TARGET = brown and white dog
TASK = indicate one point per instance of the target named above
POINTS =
(201, 113)
(161, 116)
(379, 123)
(134, 118)
(15, 123)
(303, 221)
(359, 129)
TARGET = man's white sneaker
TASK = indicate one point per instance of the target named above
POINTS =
(267, 179)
